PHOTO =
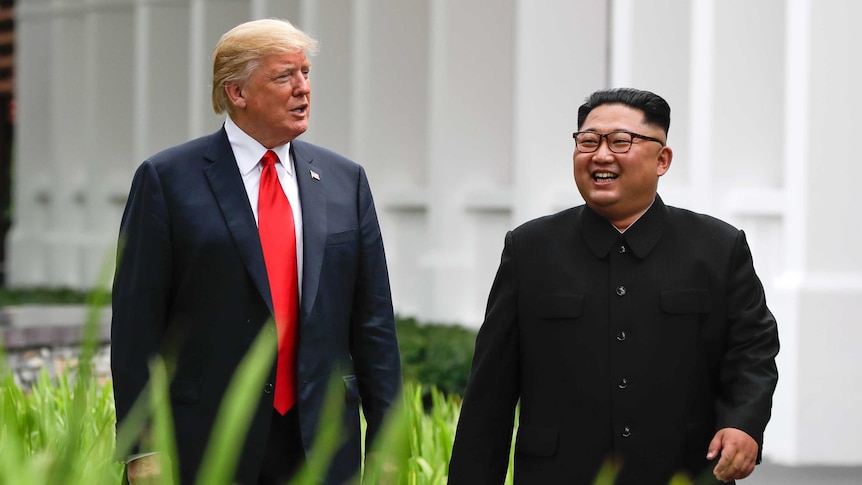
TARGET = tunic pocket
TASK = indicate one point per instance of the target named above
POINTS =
(685, 301)
(698, 436)
(535, 441)
(560, 306)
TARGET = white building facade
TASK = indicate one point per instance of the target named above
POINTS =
(462, 113)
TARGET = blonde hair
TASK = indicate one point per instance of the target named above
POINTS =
(240, 49)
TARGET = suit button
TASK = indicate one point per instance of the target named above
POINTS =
(621, 336)
(622, 249)
(267, 388)
(627, 432)
(621, 290)
(623, 383)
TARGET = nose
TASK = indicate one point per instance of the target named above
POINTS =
(603, 153)
(301, 86)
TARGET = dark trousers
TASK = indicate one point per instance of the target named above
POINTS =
(284, 454)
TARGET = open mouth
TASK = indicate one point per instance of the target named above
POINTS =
(300, 109)
(604, 176)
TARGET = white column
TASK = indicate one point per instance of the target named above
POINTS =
(26, 261)
(562, 56)
(666, 47)
(333, 77)
(469, 146)
(822, 287)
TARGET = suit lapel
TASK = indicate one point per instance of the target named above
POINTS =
(309, 178)
(227, 186)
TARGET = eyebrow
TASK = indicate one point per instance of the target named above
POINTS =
(289, 68)
(615, 130)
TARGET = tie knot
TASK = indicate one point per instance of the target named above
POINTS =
(269, 158)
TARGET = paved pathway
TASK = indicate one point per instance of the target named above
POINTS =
(772, 474)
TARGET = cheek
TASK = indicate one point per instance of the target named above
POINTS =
(579, 165)
(580, 172)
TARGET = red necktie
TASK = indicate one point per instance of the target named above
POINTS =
(278, 240)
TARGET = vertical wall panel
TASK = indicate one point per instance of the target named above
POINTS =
(749, 82)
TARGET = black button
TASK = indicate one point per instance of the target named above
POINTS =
(621, 290)
(627, 432)
(623, 383)
(621, 336)
(267, 388)
(622, 248)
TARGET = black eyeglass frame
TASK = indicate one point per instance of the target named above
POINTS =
(610, 147)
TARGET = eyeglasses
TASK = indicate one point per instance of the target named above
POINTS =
(618, 141)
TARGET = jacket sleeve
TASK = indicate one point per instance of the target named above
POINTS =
(748, 373)
(374, 345)
(141, 288)
(483, 438)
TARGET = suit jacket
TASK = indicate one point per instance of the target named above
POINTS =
(191, 284)
(633, 348)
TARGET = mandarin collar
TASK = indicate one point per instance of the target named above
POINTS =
(641, 237)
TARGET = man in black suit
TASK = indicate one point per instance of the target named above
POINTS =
(203, 268)
(632, 333)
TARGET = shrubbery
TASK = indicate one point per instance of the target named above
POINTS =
(54, 296)
(436, 355)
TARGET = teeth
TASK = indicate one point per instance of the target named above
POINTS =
(604, 175)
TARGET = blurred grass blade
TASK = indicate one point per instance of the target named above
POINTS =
(163, 423)
(236, 412)
(389, 459)
(129, 431)
(329, 436)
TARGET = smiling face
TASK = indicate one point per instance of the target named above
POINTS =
(621, 186)
(272, 106)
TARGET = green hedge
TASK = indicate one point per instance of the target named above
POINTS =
(436, 355)
(41, 296)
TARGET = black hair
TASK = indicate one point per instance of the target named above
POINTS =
(655, 109)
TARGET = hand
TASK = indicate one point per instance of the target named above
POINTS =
(145, 470)
(738, 453)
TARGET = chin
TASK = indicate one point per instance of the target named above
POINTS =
(296, 131)
(602, 199)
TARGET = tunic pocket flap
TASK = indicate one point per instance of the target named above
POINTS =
(536, 441)
(560, 306)
(685, 301)
(351, 388)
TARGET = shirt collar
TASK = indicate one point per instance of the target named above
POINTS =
(249, 151)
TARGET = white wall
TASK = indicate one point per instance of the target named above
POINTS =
(462, 113)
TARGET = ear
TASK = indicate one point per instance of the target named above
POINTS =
(235, 94)
(665, 156)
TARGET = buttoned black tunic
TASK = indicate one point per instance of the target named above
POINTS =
(633, 347)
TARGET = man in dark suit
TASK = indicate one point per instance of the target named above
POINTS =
(633, 334)
(224, 232)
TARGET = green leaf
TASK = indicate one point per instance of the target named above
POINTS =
(236, 411)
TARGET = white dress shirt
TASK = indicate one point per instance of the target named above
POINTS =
(248, 153)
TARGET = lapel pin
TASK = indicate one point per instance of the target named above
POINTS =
(314, 175)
